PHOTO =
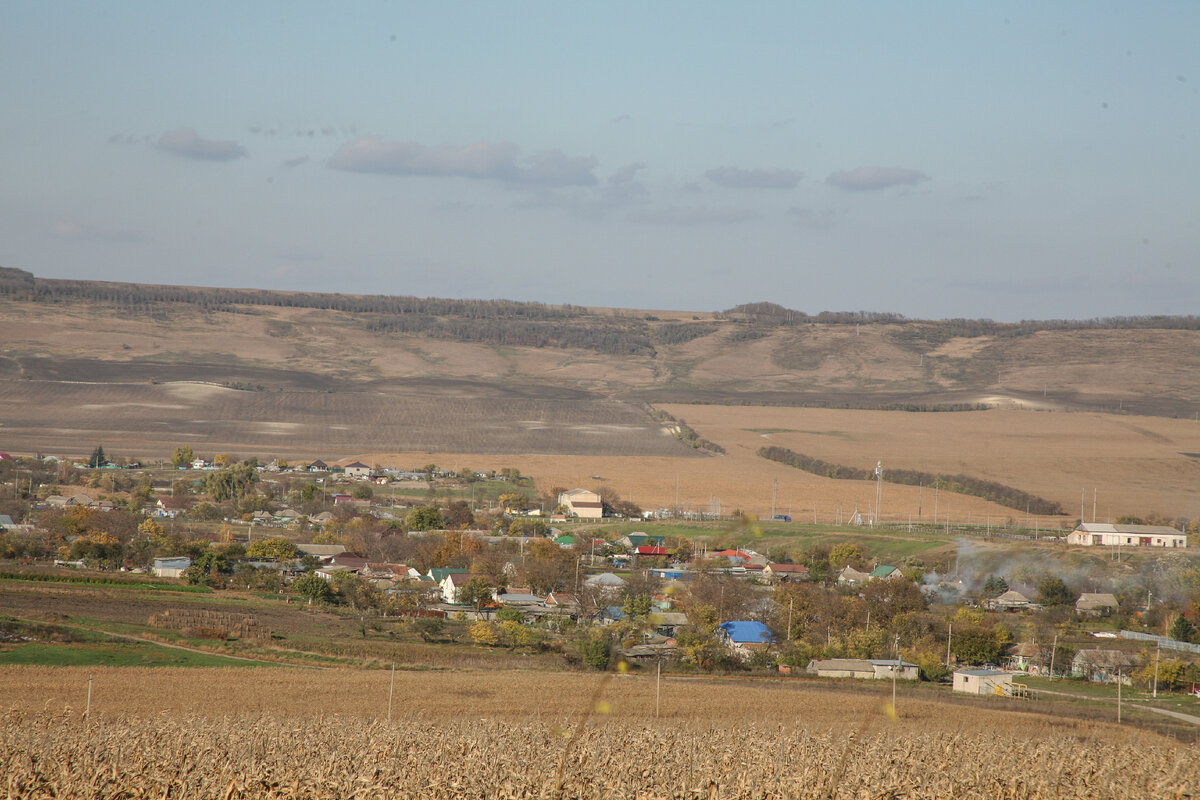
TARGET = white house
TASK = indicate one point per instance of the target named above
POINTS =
(1098, 533)
(582, 503)
(357, 469)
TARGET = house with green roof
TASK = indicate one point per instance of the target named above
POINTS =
(886, 571)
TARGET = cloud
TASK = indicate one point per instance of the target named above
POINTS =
(480, 161)
(738, 178)
(694, 215)
(621, 190)
(865, 179)
(187, 143)
(295, 162)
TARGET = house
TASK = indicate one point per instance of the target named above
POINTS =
(887, 572)
(1012, 600)
(1091, 534)
(849, 576)
(983, 681)
(582, 504)
(864, 668)
(317, 466)
(348, 561)
(651, 551)
(668, 622)
(453, 583)
(321, 550)
(323, 518)
(745, 636)
(562, 600)
(1096, 604)
(566, 541)
(357, 469)
(605, 580)
(782, 573)
(1025, 657)
(1103, 666)
(171, 567)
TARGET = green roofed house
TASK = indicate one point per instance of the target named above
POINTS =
(438, 574)
(886, 571)
(565, 541)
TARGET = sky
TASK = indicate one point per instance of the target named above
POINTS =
(1002, 160)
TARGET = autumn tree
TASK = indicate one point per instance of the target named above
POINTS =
(182, 457)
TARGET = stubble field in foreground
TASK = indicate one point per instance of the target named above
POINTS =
(291, 733)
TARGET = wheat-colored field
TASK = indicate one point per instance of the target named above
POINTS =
(294, 734)
(1132, 465)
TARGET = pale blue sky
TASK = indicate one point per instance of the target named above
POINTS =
(1004, 160)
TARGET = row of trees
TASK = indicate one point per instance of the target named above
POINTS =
(962, 484)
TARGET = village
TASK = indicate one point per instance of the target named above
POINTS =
(524, 571)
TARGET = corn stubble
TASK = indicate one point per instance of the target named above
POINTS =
(537, 735)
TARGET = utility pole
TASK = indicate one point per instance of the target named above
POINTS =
(1093, 504)
(949, 636)
(774, 493)
(791, 603)
(1053, 647)
(878, 487)
(1157, 647)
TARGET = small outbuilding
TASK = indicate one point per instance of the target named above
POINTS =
(983, 681)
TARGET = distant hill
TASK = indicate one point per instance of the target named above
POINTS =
(755, 353)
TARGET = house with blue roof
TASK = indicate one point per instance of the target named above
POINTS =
(745, 636)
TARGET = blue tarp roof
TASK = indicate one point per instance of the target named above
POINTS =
(747, 632)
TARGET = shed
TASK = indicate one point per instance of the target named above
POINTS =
(171, 567)
(982, 681)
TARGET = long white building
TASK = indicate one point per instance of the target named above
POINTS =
(1103, 534)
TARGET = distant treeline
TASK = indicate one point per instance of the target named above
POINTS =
(962, 484)
(579, 327)
(938, 331)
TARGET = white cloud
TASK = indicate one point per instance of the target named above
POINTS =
(70, 230)
(872, 178)
(738, 178)
(481, 160)
(189, 144)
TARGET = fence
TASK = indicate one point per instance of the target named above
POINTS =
(1163, 641)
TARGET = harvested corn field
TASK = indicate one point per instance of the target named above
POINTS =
(277, 733)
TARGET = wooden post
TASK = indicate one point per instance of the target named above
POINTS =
(658, 689)
(88, 712)
(391, 690)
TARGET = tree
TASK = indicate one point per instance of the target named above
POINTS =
(98, 459)
(476, 592)
(844, 554)
(595, 648)
(428, 627)
(425, 518)
(1053, 592)
(232, 483)
(362, 492)
(1182, 630)
(312, 586)
(182, 458)
(207, 568)
(276, 548)
(513, 501)
(458, 515)
(527, 526)
(994, 586)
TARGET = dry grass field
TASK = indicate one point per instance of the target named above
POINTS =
(311, 734)
(80, 373)
(1136, 465)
